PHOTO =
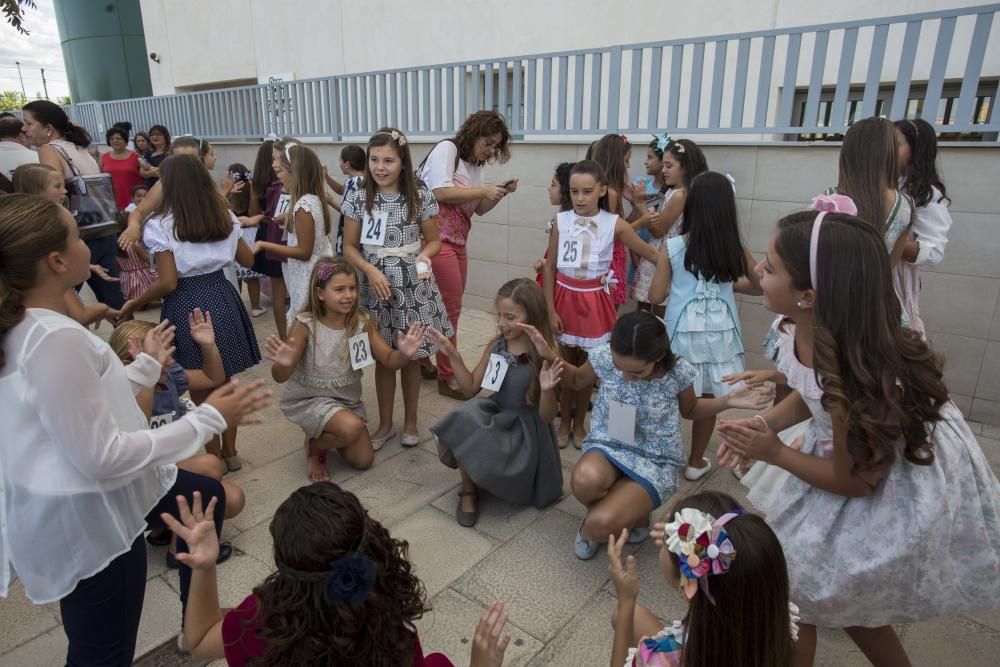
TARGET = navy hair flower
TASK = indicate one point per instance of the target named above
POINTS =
(350, 578)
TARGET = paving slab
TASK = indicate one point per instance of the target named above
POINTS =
(21, 620)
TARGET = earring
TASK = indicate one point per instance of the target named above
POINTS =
(798, 304)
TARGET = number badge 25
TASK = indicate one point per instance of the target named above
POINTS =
(361, 351)
(373, 229)
(496, 371)
(570, 253)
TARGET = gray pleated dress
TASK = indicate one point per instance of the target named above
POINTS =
(502, 442)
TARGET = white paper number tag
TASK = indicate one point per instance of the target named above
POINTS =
(621, 422)
(496, 371)
(161, 420)
(373, 229)
(570, 253)
(284, 201)
(361, 351)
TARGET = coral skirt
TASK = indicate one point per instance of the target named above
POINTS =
(586, 309)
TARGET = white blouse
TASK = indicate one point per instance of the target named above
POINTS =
(931, 230)
(439, 170)
(79, 467)
(192, 259)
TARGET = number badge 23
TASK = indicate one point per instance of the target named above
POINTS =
(361, 351)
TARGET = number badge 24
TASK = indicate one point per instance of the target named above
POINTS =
(373, 228)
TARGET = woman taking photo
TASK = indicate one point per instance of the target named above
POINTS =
(453, 172)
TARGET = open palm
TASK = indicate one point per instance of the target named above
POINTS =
(197, 528)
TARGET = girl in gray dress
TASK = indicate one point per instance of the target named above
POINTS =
(504, 443)
(329, 343)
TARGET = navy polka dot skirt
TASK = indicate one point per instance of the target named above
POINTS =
(234, 334)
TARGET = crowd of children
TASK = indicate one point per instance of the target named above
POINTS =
(859, 438)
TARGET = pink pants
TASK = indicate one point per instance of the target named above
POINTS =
(451, 268)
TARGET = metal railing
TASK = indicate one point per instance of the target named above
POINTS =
(802, 80)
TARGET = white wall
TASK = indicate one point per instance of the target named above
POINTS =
(225, 40)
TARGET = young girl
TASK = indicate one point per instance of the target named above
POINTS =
(266, 197)
(239, 204)
(613, 152)
(646, 194)
(323, 396)
(343, 591)
(682, 162)
(385, 221)
(919, 180)
(738, 610)
(193, 236)
(77, 449)
(505, 443)
(558, 196)
(352, 165)
(134, 268)
(633, 451)
(887, 454)
(301, 173)
(163, 404)
(577, 294)
(708, 263)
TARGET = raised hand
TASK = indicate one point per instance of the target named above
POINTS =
(441, 341)
(158, 342)
(201, 327)
(197, 528)
(237, 402)
(487, 644)
(101, 273)
(550, 375)
(625, 578)
(279, 352)
(410, 342)
(538, 340)
(750, 398)
(134, 346)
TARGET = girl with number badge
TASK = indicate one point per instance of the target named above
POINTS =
(329, 343)
(633, 452)
(384, 222)
(308, 225)
(504, 443)
(575, 279)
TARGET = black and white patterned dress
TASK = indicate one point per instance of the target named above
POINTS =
(411, 299)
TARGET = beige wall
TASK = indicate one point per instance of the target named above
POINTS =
(960, 298)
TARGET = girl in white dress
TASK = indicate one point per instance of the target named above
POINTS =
(891, 513)
(300, 171)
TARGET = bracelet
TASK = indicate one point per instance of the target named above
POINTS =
(762, 421)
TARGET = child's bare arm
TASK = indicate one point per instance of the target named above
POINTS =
(285, 356)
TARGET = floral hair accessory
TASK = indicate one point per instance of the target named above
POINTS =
(660, 143)
(396, 136)
(702, 548)
(676, 147)
(324, 272)
(834, 204)
(350, 578)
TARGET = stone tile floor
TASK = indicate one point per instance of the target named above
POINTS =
(559, 606)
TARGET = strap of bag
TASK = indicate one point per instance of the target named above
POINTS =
(66, 158)
(420, 167)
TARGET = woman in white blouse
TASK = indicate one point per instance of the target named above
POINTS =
(81, 476)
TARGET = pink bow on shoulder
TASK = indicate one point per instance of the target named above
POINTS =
(834, 204)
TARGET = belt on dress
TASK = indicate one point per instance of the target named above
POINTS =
(587, 285)
(402, 251)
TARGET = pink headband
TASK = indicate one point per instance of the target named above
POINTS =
(825, 204)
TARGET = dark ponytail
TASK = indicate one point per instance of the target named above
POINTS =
(30, 228)
(50, 113)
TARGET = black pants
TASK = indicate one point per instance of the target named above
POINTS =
(104, 252)
(101, 615)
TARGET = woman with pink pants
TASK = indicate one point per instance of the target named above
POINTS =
(453, 172)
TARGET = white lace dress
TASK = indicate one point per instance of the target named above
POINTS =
(297, 271)
(926, 543)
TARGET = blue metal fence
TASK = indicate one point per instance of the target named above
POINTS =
(770, 82)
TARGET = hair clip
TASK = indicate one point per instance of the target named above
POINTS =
(350, 578)
(660, 142)
(676, 147)
(702, 547)
(324, 272)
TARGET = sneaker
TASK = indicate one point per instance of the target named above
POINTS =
(584, 549)
(637, 535)
(257, 312)
(694, 474)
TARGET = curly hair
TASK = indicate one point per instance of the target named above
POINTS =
(884, 379)
(483, 124)
(299, 623)
(689, 156)
(921, 173)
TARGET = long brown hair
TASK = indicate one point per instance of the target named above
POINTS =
(239, 202)
(483, 124)
(297, 619)
(30, 229)
(263, 172)
(527, 294)
(868, 167)
(408, 185)
(749, 623)
(881, 377)
(307, 176)
(201, 214)
(689, 156)
(609, 152)
(338, 265)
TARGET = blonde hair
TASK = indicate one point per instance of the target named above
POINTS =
(33, 178)
(307, 176)
(128, 329)
(355, 319)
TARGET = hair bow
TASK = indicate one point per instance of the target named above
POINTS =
(702, 548)
(350, 578)
(834, 204)
(660, 142)
(676, 147)
(398, 137)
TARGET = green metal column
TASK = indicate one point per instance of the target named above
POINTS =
(104, 49)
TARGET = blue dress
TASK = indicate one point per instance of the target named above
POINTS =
(703, 324)
(658, 452)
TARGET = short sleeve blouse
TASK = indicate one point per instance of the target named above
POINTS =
(192, 259)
